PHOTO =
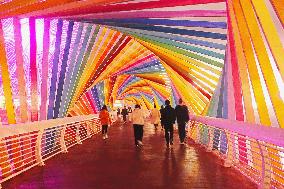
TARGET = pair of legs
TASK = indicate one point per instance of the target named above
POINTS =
(169, 133)
(156, 126)
(181, 131)
(124, 118)
(104, 130)
(138, 133)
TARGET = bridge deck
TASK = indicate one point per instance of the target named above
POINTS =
(116, 163)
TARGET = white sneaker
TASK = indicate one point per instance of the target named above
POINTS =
(182, 143)
(106, 136)
(140, 142)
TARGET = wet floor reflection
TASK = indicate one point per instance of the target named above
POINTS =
(116, 163)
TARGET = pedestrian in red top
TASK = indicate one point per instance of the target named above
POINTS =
(105, 121)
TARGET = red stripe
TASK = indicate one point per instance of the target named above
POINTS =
(236, 77)
(91, 100)
(108, 61)
(130, 6)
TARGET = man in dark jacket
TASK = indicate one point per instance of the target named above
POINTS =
(168, 118)
(182, 119)
(124, 113)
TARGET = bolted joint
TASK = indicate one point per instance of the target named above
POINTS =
(229, 158)
(211, 140)
(62, 141)
(38, 149)
(78, 139)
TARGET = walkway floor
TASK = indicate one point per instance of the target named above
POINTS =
(116, 163)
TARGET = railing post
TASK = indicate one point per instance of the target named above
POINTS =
(198, 133)
(211, 140)
(78, 139)
(266, 167)
(62, 140)
(38, 148)
(229, 159)
(88, 128)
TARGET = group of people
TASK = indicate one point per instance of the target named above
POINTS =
(167, 116)
(124, 112)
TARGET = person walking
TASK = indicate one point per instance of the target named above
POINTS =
(162, 108)
(168, 118)
(129, 112)
(138, 120)
(124, 113)
(182, 118)
(155, 116)
(118, 114)
(105, 121)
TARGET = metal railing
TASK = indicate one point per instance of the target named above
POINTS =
(23, 146)
(256, 151)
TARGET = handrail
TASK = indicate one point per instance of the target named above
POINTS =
(21, 128)
(25, 145)
(255, 150)
(263, 133)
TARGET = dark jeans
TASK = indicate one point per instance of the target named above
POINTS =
(156, 125)
(169, 133)
(181, 131)
(124, 117)
(138, 133)
(104, 129)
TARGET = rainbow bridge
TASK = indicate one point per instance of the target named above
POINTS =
(62, 60)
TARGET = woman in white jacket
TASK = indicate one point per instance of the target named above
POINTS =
(138, 120)
(155, 116)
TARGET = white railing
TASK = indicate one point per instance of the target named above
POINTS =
(256, 151)
(23, 146)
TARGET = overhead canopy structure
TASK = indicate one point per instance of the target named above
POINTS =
(65, 58)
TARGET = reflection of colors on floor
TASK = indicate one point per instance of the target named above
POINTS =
(116, 163)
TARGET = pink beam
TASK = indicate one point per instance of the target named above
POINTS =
(20, 71)
(155, 14)
(33, 70)
(91, 100)
(46, 41)
(262, 133)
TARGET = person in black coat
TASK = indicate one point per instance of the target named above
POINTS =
(124, 113)
(168, 118)
(182, 119)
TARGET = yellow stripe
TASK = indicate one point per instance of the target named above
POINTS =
(270, 33)
(251, 64)
(264, 61)
(6, 80)
(119, 60)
